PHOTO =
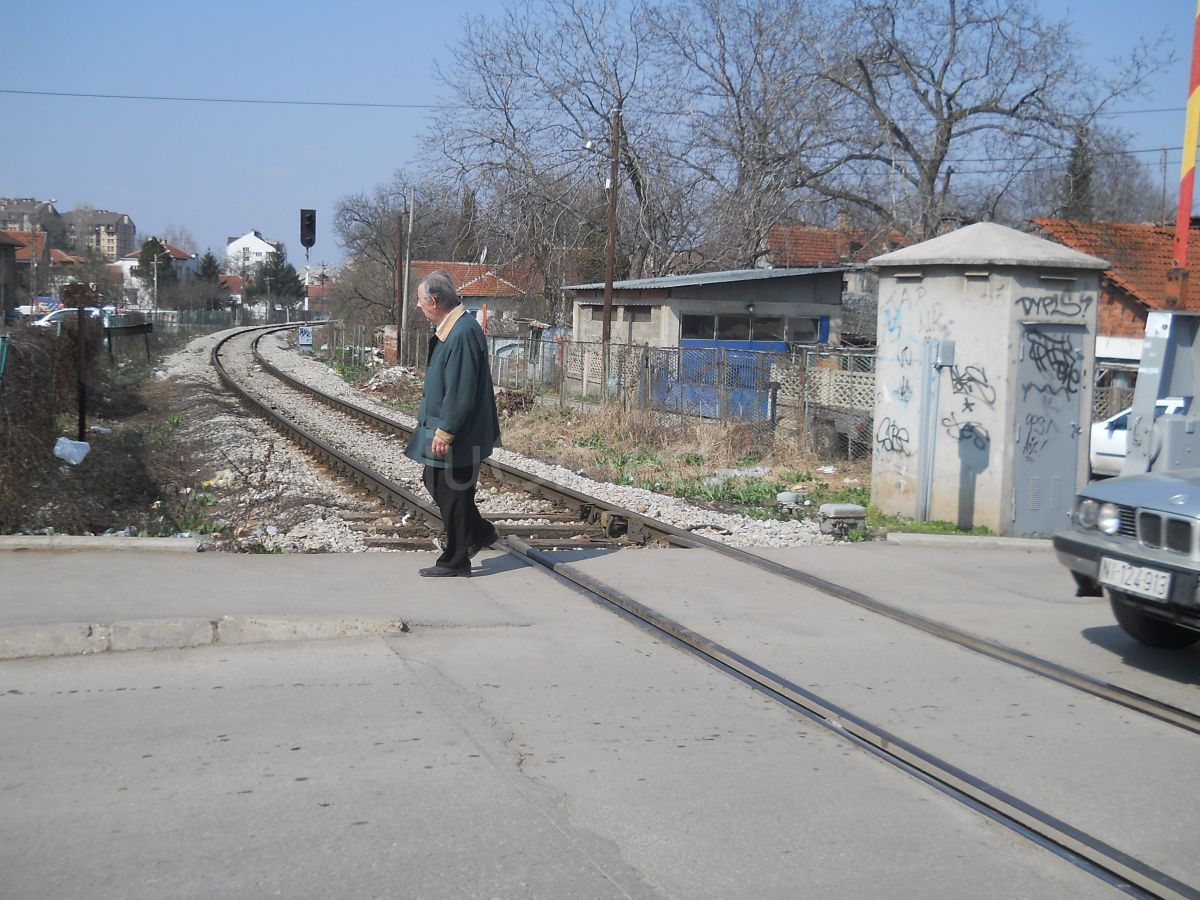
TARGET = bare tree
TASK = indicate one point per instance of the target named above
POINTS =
(1122, 187)
(366, 226)
(542, 96)
(757, 107)
(178, 236)
(947, 91)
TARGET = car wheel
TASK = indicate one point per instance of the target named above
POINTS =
(1147, 629)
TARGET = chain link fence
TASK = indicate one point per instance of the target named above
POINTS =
(818, 400)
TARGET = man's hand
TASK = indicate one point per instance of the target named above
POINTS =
(439, 446)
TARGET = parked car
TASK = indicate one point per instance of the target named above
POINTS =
(1110, 438)
(1134, 539)
(61, 315)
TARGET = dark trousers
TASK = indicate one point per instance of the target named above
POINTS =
(453, 490)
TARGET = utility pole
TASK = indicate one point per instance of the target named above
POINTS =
(412, 206)
(398, 286)
(610, 247)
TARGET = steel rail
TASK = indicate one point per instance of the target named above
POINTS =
(357, 472)
(674, 536)
(1087, 851)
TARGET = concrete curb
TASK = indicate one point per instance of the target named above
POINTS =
(82, 638)
(973, 541)
(80, 542)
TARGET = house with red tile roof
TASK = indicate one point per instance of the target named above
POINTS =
(814, 246)
(32, 257)
(183, 263)
(811, 246)
(1136, 281)
(498, 289)
(8, 274)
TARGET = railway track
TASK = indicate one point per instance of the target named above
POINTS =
(625, 526)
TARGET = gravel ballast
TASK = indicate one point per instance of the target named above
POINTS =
(736, 530)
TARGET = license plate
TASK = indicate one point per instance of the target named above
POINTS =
(1135, 579)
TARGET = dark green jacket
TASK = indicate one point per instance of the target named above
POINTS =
(458, 399)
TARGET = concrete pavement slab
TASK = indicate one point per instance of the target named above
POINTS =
(1090, 763)
(576, 757)
(1018, 596)
(55, 604)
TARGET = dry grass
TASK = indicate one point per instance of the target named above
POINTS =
(635, 446)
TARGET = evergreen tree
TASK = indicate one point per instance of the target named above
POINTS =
(276, 280)
(208, 269)
(153, 258)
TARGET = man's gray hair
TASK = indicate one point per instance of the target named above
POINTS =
(439, 287)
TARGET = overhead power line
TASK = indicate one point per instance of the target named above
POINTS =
(261, 102)
(271, 101)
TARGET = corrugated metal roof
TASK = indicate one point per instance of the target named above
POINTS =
(672, 281)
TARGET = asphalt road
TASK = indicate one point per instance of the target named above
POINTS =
(518, 741)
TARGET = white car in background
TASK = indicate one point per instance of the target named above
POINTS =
(65, 313)
(1110, 438)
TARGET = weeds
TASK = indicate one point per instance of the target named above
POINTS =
(878, 519)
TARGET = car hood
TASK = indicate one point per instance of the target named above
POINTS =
(1179, 490)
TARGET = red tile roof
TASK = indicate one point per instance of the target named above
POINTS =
(231, 283)
(810, 245)
(7, 240)
(176, 253)
(66, 259)
(26, 238)
(1140, 255)
(475, 279)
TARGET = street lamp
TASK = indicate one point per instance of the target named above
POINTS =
(34, 223)
(154, 263)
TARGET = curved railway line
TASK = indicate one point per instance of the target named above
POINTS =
(631, 528)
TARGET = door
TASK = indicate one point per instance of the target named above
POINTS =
(1051, 384)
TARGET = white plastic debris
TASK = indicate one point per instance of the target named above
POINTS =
(160, 375)
(100, 429)
(71, 451)
(827, 470)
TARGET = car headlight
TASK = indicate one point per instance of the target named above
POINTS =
(1086, 513)
(1108, 518)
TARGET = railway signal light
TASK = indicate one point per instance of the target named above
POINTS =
(308, 227)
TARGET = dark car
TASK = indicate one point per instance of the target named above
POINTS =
(1136, 540)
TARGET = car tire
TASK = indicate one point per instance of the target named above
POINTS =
(1147, 629)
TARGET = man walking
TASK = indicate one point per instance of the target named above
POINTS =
(457, 424)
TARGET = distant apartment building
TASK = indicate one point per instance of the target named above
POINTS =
(31, 214)
(244, 254)
(111, 235)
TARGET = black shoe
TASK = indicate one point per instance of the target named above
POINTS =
(474, 549)
(443, 572)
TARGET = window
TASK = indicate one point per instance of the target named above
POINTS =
(733, 328)
(597, 313)
(701, 328)
(768, 329)
(636, 314)
(802, 331)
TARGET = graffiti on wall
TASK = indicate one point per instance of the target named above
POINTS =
(1057, 361)
(1038, 432)
(971, 383)
(891, 437)
(1055, 305)
(967, 430)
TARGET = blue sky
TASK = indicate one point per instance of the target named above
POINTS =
(222, 169)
